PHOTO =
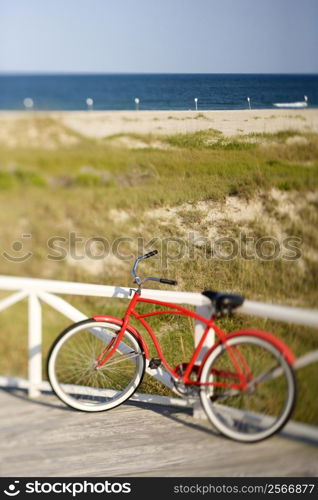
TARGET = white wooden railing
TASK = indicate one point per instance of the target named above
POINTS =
(39, 290)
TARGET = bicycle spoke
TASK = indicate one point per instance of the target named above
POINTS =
(123, 358)
(270, 374)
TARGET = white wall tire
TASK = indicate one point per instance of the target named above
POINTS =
(249, 417)
(71, 362)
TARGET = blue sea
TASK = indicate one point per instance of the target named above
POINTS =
(155, 91)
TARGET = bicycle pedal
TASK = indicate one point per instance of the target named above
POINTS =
(154, 363)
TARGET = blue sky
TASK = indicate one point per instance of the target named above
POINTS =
(181, 36)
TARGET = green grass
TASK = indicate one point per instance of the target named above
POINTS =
(21, 177)
(198, 172)
(79, 187)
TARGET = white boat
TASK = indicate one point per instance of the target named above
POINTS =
(299, 104)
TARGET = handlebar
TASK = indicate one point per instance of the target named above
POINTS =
(140, 281)
(150, 254)
(168, 282)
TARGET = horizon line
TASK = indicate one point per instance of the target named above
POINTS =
(84, 73)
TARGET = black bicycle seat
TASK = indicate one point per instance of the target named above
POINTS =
(224, 303)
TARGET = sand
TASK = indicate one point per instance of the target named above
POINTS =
(99, 124)
(106, 123)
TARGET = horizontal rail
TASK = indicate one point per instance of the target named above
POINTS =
(24, 384)
(286, 314)
(73, 288)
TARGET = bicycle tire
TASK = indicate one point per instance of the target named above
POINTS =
(262, 411)
(72, 360)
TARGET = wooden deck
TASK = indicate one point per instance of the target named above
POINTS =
(45, 438)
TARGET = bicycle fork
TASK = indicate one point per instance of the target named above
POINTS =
(111, 348)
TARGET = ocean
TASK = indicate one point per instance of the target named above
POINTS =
(155, 91)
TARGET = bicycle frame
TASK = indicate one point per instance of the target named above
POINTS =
(182, 311)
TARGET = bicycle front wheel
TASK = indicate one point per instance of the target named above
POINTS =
(72, 364)
(264, 406)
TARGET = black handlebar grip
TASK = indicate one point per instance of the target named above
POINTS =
(150, 254)
(168, 282)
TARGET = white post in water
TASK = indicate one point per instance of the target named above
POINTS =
(196, 103)
(28, 103)
(137, 101)
(249, 102)
(90, 103)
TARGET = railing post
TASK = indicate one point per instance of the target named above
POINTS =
(206, 312)
(34, 345)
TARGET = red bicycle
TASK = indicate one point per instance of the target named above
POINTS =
(245, 381)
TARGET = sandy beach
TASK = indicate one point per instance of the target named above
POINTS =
(105, 123)
(100, 124)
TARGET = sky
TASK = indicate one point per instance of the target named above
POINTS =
(159, 36)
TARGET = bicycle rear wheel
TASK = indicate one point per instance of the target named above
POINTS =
(72, 364)
(267, 403)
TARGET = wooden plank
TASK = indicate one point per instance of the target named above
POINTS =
(45, 438)
(273, 311)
